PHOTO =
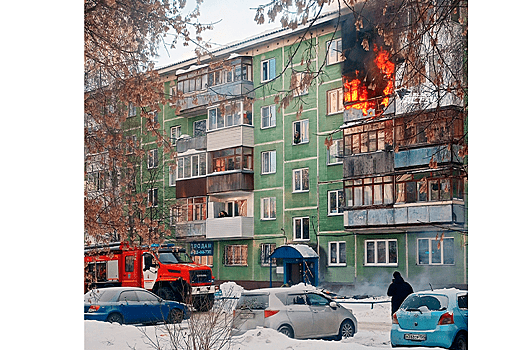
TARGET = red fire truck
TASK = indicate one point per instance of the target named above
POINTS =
(166, 270)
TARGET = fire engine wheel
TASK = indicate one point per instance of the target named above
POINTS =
(175, 316)
(166, 293)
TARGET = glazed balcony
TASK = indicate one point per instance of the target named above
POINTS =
(416, 157)
(191, 229)
(238, 227)
(374, 163)
(194, 143)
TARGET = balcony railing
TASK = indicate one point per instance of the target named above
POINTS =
(422, 156)
(238, 227)
(194, 143)
(217, 93)
(190, 229)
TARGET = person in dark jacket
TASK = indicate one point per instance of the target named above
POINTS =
(398, 290)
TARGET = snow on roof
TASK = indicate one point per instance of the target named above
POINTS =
(305, 250)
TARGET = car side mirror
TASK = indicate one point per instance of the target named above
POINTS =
(333, 305)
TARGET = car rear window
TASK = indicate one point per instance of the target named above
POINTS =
(253, 301)
(463, 301)
(433, 302)
(99, 295)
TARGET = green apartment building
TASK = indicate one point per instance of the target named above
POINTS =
(250, 176)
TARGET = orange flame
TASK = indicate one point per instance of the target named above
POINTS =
(356, 90)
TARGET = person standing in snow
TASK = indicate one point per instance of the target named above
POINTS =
(398, 290)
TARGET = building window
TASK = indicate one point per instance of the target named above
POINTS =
(335, 101)
(174, 134)
(131, 143)
(368, 138)
(132, 110)
(432, 251)
(268, 70)
(236, 255)
(153, 197)
(301, 180)
(300, 131)
(203, 260)
(336, 201)
(336, 152)
(239, 158)
(267, 250)
(301, 229)
(190, 209)
(298, 84)
(191, 166)
(268, 162)
(369, 191)
(228, 115)
(337, 253)
(268, 117)
(426, 187)
(381, 252)
(335, 51)
(172, 175)
(199, 128)
(153, 159)
(268, 208)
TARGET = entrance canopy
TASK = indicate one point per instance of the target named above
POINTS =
(300, 263)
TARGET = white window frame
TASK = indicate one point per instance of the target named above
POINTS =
(266, 208)
(338, 93)
(334, 48)
(271, 116)
(335, 151)
(268, 65)
(153, 158)
(298, 80)
(266, 250)
(304, 130)
(172, 175)
(387, 255)
(301, 220)
(270, 158)
(174, 134)
(429, 242)
(181, 163)
(153, 197)
(338, 261)
(132, 110)
(301, 176)
(339, 203)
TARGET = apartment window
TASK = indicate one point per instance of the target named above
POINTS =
(335, 51)
(298, 84)
(267, 250)
(174, 134)
(153, 197)
(301, 229)
(189, 209)
(336, 152)
(381, 252)
(268, 70)
(301, 180)
(268, 117)
(239, 158)
(199, 128)
(236, 255)
(335, 101)
(300, 131)
(268, 208)
(203, 260)
(425, 187)
(153, 158)
(228, 115)
(269, 162)
(191, 166)
(337, 253)
(132, 110)
(97, 180)
(369, 191)
(336, 201)
(433, 251)
(131, 143)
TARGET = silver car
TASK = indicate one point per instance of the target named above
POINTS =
(296, 312)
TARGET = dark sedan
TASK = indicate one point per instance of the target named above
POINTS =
(131, 305)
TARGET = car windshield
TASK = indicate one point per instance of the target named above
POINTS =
(253, 301)
(433, 302)
(99, 295)
(174, 258)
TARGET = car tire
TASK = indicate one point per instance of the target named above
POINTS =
(460, 343)
(286, 330)
(346, 330)
(114, 317)
(175, 316)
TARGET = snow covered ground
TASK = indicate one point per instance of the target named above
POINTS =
(373, 332)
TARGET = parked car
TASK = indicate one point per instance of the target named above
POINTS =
(131, 305)
(298, 312)
(436, 318)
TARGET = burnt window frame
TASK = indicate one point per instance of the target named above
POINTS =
(355, 140)
(423, 183)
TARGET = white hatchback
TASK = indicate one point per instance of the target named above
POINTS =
(299, 312)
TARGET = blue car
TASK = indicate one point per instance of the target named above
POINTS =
(131, 305)
(437, 318)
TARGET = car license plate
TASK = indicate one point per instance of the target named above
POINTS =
(243, 315)
(416, 337)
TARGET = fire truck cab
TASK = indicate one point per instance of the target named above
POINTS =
(166, 270)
